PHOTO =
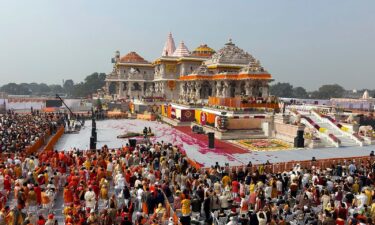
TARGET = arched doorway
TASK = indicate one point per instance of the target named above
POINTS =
(206, 90)
(232, 89)
(112, 88)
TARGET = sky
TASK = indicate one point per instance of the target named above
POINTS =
(307, 43)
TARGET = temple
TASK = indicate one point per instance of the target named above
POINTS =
(202, 76)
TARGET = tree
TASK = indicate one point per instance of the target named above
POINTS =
(15, 89)
(91, 84)
(300, 92)
(68, 86)
(282, 90)
(56, 89)
(329, 91)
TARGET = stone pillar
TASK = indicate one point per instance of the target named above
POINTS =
(182, 90)
(190, 90)
(225, 91)
(248, 88)
(218, 87)
(265, 91)
(213, 88)
(144, 88)
(162, 88)
(198, 86)
(107, 85)
(120, 89)
(130, 86)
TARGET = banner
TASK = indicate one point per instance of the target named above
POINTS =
(187, 115)
(203, 118)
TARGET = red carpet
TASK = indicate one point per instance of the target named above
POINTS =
(220, 146)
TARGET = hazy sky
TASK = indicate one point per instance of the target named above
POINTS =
(304, 42)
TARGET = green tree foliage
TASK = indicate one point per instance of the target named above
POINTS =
(68, 86)
(329, 91)
(38, 89)
(90, 85)
(86, 88)
(15, 89)
(300, 92)
(56, 89)
(282, 90)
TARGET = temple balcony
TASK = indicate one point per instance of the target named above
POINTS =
(243, 102)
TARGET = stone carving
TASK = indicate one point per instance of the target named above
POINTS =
(225, 89)
(202, 70)
(366, 131)
(150, 90)
(198, 87)
(253, 67)
(231, 54)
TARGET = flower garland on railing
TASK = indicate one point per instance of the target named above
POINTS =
(337, 124)
(310, 121)
(334, 138)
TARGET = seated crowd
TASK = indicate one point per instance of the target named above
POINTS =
(155, 184)
(19, 131)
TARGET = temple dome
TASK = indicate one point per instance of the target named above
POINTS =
(231, 54)
(203, 51)
(132, 57)
(181, 50)
(366, 95)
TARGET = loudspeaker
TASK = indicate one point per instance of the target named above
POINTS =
(133, 142)
(92, 143)
(299, 142)
(211, 140)
(300, 133)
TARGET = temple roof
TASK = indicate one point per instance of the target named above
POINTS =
(253, 67)
(181, 50)
(203, 51)
(201, 70)
(231, 54)
(132, 57)
(169, 47)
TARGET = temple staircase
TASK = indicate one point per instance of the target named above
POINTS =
(329, 131)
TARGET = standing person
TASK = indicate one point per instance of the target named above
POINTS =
(90, 199)
(207, 209)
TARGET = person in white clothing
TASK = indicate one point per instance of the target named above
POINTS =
(262, 218)
(90, 198)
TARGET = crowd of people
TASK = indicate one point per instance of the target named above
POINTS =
(19, 131)
(155, 184)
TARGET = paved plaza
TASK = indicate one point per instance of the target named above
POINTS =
(197, 149)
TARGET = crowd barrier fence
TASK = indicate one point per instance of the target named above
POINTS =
(321, 164)
(51, 143)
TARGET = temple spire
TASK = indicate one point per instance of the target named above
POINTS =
(181, 50)
(169, 46)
